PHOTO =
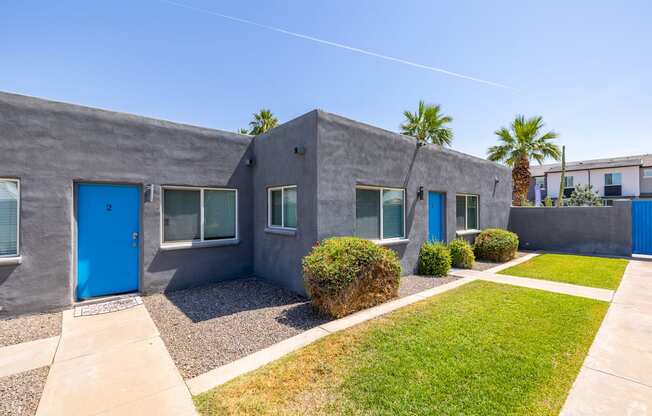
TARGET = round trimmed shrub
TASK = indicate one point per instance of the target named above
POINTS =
(461, 253)
(495, 244)
(434, 259)
(343, 275)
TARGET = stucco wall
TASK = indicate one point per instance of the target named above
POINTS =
(49, 146)
(645, 182)
(630, 177)
(277, 257)
(595, 177)
(580, 177)
(586, 230)
(352, 153)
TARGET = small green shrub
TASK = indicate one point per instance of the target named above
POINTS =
(495, 244)
(346, 274)
(434, 259)
(526, 203)
(461, 253)
(547, 202)
(585, 196)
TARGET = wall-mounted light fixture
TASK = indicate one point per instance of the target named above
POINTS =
(149, 192)
(299, 150)
(250, 162)
(420, 193)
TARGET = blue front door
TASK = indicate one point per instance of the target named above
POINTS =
(108, 231)
(642, 227)
(436, 217)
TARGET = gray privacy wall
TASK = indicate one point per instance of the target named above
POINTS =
(585, 230)
(352, 153)
(49, 146)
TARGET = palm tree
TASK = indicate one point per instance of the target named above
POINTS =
(519, 143)
(428, 125)
(263, 120)
(243, 131)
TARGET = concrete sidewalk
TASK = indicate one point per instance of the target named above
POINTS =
(113, 364)
(616, 378)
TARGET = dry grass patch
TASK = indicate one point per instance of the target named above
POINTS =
(305, 382)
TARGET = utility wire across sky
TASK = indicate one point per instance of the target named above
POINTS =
(334, 44)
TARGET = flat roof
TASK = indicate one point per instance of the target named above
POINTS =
(612, 162)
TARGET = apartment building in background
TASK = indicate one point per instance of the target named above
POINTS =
(627, 177)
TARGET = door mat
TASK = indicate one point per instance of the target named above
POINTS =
(107, 307)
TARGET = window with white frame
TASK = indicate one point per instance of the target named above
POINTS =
(647, 173)
(569, 182)
(612, 179)
(199, 214)
(9, 217)
(379, 213)
(466, 212)
(282, 207)
(541, 181)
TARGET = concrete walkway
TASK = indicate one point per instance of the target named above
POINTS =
(616, 378)
(27, 356)
(113, 364)
(547, 285)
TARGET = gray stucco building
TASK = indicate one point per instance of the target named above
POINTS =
(94, 202)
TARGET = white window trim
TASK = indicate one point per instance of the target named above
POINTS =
(466, 229)
(612, 175)
(647, 172)
(14, 258)
(382, 240)
(572, 185)
(172, 245)
(269, 207)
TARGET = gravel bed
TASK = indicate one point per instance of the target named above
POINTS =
(209, 326)
(29, 328)
(412, 284)
(484, 265)
(20, 393)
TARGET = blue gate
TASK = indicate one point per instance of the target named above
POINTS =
(436, 211)
(108, 229)
(642, 227)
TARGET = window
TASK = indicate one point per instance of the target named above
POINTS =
(199, 214)
(379, 213)
(541, 181)
(612, 179)
(9, 217)
(647, 173)
(568, 182)
(466, 208)
(282, 207)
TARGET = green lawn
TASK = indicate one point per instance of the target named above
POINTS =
(579, 270)
(481, 349)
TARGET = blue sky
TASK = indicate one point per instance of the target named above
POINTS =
(585, 66)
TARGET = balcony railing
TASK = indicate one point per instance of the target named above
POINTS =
(613, 190)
